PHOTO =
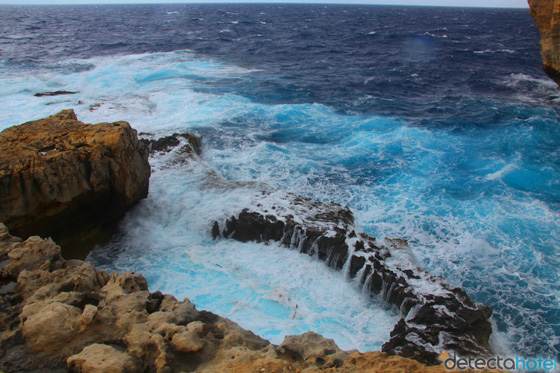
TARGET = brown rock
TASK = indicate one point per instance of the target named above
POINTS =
(189, 340)
(101, 358)
(313, 348)
(36, 253)
(49, 327)
(62, 178)
(546, 14)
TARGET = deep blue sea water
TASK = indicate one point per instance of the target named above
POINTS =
(436, 125)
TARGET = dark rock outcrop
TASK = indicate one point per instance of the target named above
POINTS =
(55, 93)
(165, 144)
(435, 315)
(64, 314)
(546, 14)
(62, 178)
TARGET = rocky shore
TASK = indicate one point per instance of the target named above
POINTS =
(59, 314)
(546, 14)
(435, 316)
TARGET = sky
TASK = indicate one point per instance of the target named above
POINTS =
(475, 3)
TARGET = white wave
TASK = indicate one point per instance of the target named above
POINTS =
(509, 51)
(486, 236)
(435, 36)
(529, 78)
(498, 174)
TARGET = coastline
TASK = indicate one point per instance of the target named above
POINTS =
(324, 231)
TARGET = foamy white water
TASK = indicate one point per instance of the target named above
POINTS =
(271, 290)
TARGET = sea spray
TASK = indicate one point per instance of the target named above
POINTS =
(271, 290)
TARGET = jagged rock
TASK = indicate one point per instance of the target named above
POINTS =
(546, 14)
(62, 178)
(63, 314)
(435, 315)
(313, 348)
(55, 93)
(189, 340)
(192, 143)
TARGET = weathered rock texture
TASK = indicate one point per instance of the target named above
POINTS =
(61, 314)
(546, 14)
(62, 178)
(436, 316)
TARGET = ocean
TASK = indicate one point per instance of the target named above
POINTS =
(436, 125)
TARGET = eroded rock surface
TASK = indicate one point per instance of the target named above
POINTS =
(546, 14)
(64, 314)
(62, 178)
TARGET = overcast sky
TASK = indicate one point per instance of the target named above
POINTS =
(480, 3)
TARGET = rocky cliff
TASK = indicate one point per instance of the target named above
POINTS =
(546, 14)
(62, 178)
(58, 314)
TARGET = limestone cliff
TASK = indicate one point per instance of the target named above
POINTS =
(58, 314)
(546, 14)
(62, 178)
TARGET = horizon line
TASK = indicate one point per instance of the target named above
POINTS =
(221, 2)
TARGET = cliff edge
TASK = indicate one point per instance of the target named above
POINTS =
(65, 179)
(546, 14)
